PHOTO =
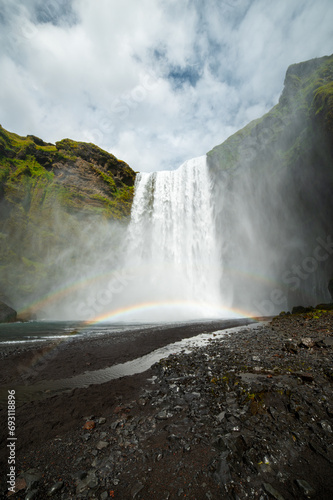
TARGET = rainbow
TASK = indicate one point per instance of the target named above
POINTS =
(149, 307)
(74, 287)
(63, 291)
(123, 313)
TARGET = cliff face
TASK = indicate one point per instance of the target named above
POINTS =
(273, 185)
(290, 131)
(52, 198)
(76, 175)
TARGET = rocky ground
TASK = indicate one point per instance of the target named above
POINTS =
(246, 416)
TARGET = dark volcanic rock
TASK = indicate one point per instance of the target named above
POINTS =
(7, 314)
(301, 309)
(239, 417)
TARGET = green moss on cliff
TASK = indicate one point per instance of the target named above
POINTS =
(47, 192)
(323, 105)
(106, 178)
(305, 103)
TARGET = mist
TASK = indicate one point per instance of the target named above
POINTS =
(200, 244)
(273, 220)
(67, 267)
(172, 246)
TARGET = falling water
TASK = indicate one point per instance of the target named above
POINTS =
(172, 242)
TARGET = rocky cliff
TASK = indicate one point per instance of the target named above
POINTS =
(273, 187)
(53, 199)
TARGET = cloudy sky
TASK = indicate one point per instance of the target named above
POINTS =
(155, 82)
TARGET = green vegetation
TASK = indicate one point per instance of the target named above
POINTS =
(48, 191)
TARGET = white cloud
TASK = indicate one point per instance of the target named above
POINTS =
(155, 82)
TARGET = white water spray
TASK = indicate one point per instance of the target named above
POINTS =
(172, 244)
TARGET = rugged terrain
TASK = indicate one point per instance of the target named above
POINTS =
(249, 415)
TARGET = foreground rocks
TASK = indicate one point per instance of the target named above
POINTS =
(7, 314)
(248, 416)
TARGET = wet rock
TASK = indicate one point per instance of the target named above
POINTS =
(81, 474)
(136, 489)
(222, 473)
(211, 416)
(305, 488)
(220, 417)
(55, 488)
(191, 396)
(272, 491)
(32, 477)
(101, 445)
(326, 426)
(163, 415)
(115, 424)
(89, 481)
(85, 437)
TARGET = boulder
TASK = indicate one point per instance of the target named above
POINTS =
(7, 314)
(301, 310)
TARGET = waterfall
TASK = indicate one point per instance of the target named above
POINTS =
(171, 245)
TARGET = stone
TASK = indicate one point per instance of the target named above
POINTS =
(222, 473)
(55, 488)
(328, 342)
(163, 415)
(32, 477)
(136, 489)
(305, 377)
(291, 347)
(307, 342)
(272, 491)
(306, 489)
(81, 474)
(301, 310)
(89, 425)
(20, 484)
(85, 437)
(220, 416)
(326, 426)
(101, 445)
(89, 481)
